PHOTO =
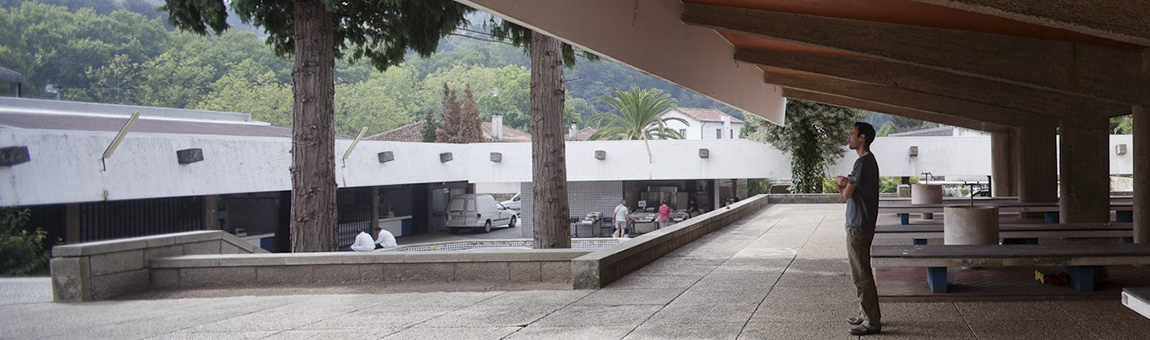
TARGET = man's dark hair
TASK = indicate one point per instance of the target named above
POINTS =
(867, 130)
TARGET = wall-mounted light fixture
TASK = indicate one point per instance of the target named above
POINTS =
(189, 156)
(497, 157)
(386, 156)
(704, 153)
(445, 157)
(1120, 149)
(14, 155)
(914, 151)
(600, 154)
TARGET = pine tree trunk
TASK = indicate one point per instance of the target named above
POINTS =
(313, 214)
(549, 164)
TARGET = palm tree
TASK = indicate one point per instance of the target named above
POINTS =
(637, 118)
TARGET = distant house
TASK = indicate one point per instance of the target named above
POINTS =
(947, 131)
(703, 123)
(414, 133)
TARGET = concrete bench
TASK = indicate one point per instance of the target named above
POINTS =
(1079, 261)
(1016, 233)
(1137, 299)
(903, 210)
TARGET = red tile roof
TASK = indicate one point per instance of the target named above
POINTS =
(414, 133)
(408, 133)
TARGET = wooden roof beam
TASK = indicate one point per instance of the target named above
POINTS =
(1101, 72)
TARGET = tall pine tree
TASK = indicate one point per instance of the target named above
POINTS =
(471, 130)
(317, 32)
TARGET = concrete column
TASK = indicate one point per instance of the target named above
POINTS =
(1085, 171)
(1141, 173)
(210, 212)
(1037, 165)
(1002, 164)
(72, 223)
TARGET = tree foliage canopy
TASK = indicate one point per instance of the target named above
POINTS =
(381, 31)
(815, 135)
(636, 116)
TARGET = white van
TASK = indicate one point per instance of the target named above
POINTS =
(477, 211)
(514, 203)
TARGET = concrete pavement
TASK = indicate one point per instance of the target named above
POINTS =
(778, 274)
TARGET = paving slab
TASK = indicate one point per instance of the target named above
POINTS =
(704, 313)
(212, 335)
(571, 333)
(460, 333)
(653, 296)
(490, 316)
(717, 331)
(591, 315)
(542, 297)
(1031, 329)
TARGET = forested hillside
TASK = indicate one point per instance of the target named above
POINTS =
(122, 52)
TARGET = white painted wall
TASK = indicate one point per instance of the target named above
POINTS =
(941, 156)
(66, 165)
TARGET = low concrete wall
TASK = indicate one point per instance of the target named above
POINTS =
(597, 269)
(831, 198)
(489, 266)
(102, 270)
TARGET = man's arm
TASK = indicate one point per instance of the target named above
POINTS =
(845, 186)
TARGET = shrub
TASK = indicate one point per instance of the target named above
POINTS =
(23, 252)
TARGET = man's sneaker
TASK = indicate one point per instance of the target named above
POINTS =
(863, 330)
(855, 321)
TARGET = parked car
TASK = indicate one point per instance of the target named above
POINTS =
(515, 203)
(477, 212)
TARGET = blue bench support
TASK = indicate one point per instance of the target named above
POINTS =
(904, 218)
(1125, 240)
(919, 241)
(1081, 277)
(1051, 217)
(936, 279)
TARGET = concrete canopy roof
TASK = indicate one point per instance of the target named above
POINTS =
(1012, 61)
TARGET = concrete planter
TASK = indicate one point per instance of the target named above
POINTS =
(926, 194)
(970, 225)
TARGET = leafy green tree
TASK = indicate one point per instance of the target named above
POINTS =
(815, 135)
(49, 45)
(194, 75)
(99, 6)
(382, 102)
(115, 82)
(1122, 125)
(317, 32)
(636, 116)
(22, 251)
(250, 88)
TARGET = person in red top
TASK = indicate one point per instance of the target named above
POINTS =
(664, 214)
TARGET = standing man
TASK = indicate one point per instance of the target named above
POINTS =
(860, 190)
(622, 217)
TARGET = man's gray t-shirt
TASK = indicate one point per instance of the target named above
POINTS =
(862, 207)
